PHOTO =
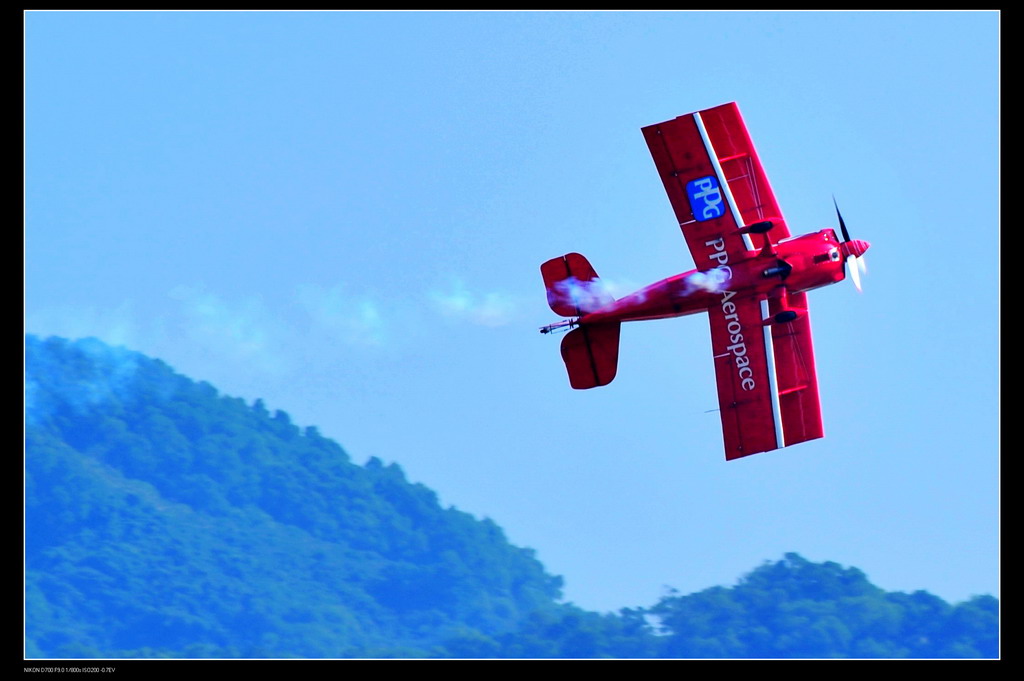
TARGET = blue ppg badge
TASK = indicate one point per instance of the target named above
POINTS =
(705, 198)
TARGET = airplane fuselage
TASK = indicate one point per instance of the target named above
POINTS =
(750, 278)
(796, 264)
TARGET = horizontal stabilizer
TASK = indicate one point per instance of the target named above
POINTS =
(591, 354)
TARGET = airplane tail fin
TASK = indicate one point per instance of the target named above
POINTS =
(590, 351)
(591, 354)
(573, 286)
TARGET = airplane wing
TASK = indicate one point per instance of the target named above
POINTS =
(767, 386)
(744, 374)
(796, 379)
(714, 181)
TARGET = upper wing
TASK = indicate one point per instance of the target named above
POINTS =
(714, 181)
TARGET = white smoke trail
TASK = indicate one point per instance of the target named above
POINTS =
(352, 318)
(712, 281)
(586, 296)
(493, 309)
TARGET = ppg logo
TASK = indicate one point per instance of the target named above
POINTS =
(705, 198)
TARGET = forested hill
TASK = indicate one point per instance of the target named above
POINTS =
(165, 519)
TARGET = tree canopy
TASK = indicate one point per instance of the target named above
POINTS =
(164, 519)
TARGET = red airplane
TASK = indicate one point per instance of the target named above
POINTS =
(752, 280)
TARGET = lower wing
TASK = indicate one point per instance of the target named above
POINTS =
(767, 387)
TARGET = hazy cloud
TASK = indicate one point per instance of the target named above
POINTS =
(114, 326)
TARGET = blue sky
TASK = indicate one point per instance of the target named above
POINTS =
(344, 214)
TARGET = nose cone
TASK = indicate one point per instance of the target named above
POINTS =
(855, 247)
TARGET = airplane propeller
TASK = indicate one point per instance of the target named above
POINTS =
(853, 250)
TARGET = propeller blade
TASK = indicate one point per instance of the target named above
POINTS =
(854, 267)
(842, 225)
